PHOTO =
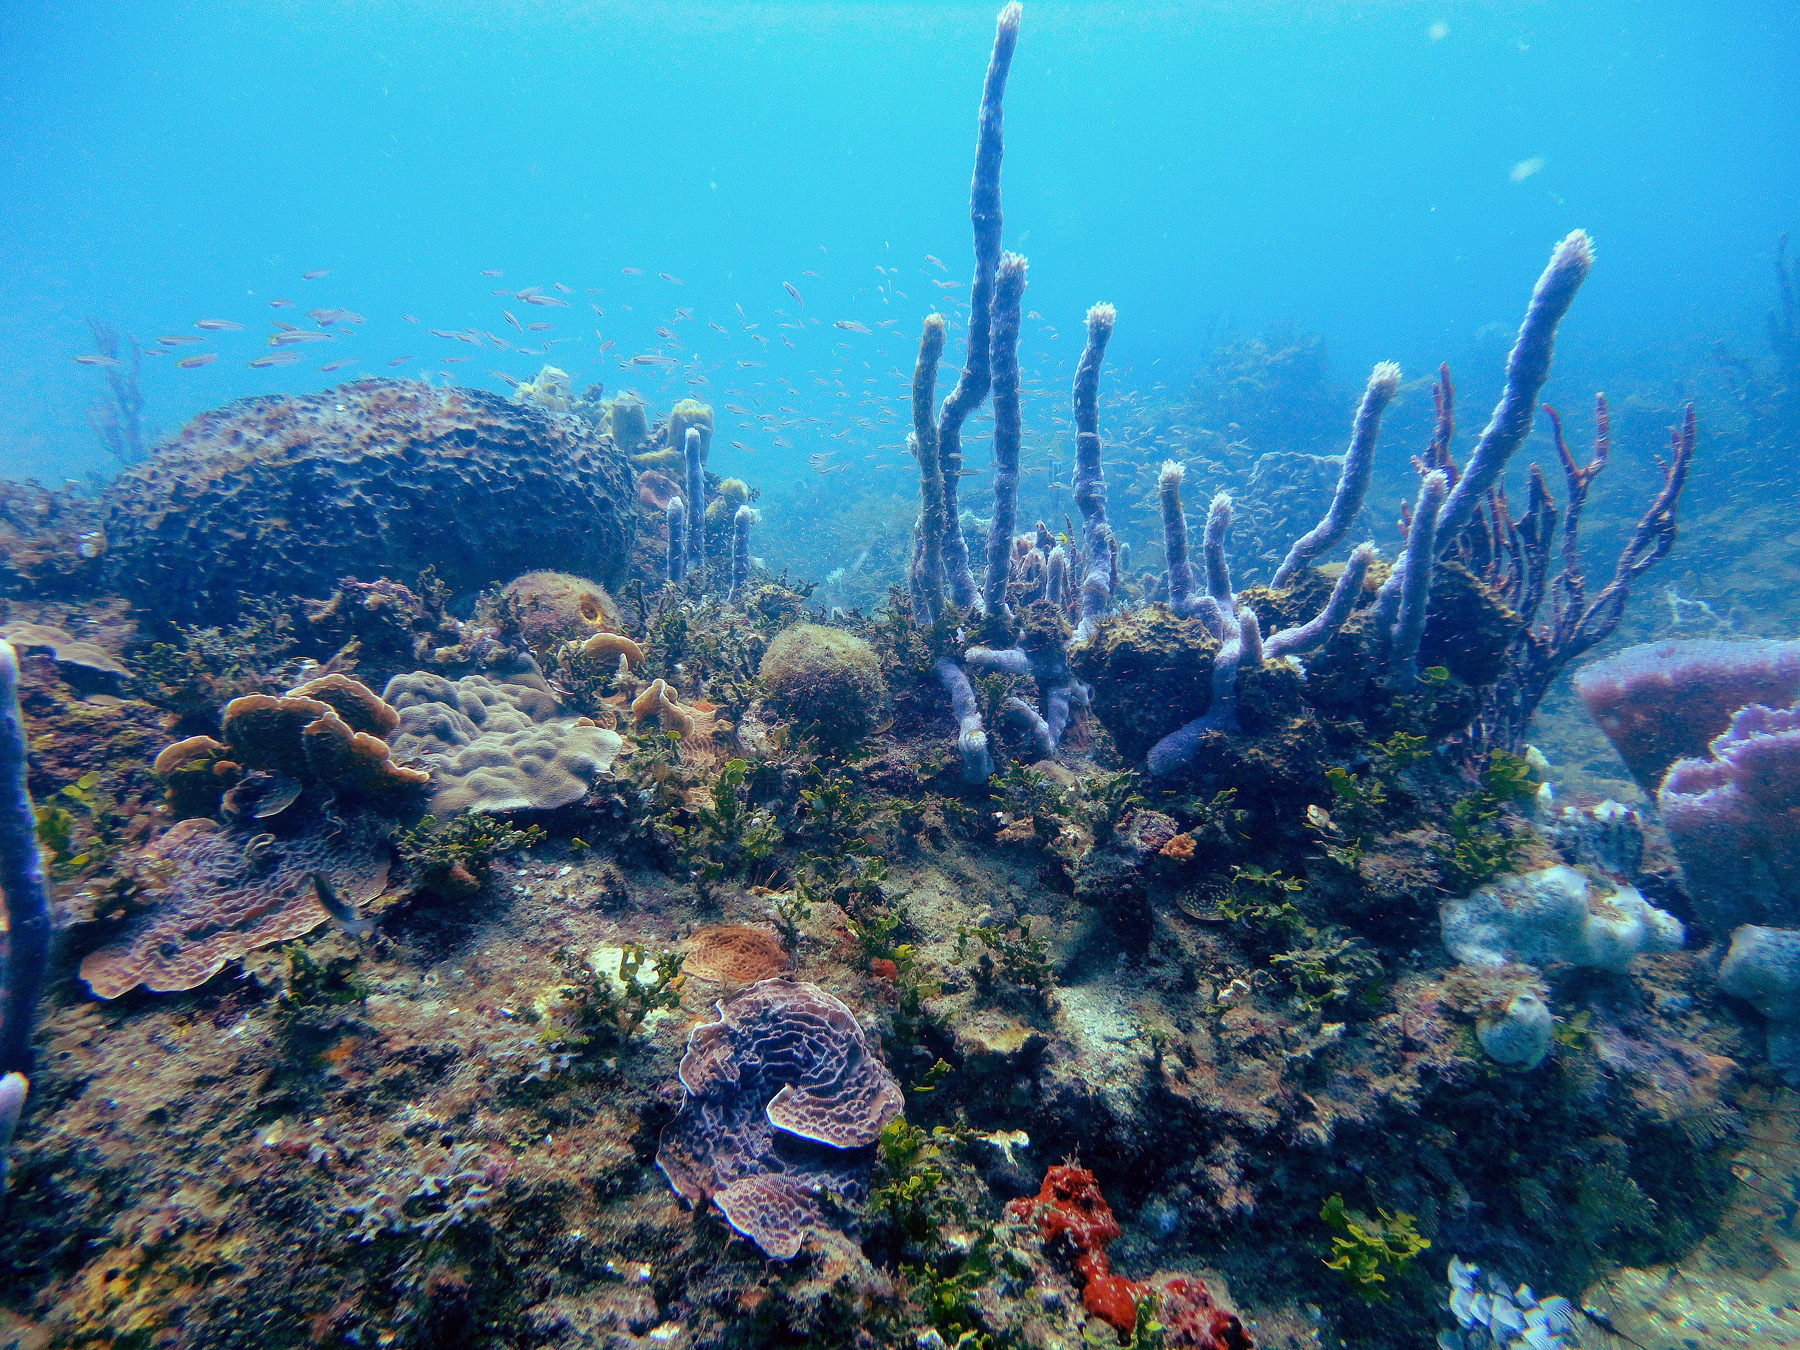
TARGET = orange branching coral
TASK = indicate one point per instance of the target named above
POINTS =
(1178, 849)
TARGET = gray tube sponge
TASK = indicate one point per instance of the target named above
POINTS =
(677, 518)
(1003, 361)
(23, 883)
(696, 495)
(1218, 567)
(1526, 370)
(1175, 533)
(740, 551)
(1415, 592)
(928, 585)
(971, 739)
(1039, 728)
(1353, 482)
(1316, 633)
(1090, 485)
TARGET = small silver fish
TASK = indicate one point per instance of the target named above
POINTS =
(340, 909)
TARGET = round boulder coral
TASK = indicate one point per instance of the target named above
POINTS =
(554, 607)
(825, 678)
(280, 495)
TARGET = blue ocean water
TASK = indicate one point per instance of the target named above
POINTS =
(1389, 175)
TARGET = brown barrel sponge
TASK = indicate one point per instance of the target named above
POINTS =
(826, 679)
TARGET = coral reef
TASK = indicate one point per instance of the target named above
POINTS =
(280, 495)
(782, 1100)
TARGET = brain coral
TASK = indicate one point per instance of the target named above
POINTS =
(497, 746)
(554, 606)
(732, 953)
(280, 495)
(825, 677)
(782, 1099)
(218, 893)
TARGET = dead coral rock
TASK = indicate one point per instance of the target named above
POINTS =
(280, 495)
(1193, 1320)
(551, 607)
(219, 893)
(497, 746)
(1468, 628)
(782, 1099)
(825, 679)
(732, 954)
(1150, 672)
(1112, 874)
(380, 625)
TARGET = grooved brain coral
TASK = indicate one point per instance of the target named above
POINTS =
(782, 1099)
(734, 953)
(497, 746)
(280, 495)
(219, 893)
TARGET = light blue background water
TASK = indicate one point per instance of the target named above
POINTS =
(1346, 165)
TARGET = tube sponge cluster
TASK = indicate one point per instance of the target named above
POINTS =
(985, 218)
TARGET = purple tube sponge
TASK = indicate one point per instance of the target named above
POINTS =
(1179, 747)
(1029, 717)
(1316, 633)
(972, 386)
(1175, 533)
(740, 551)
(928, 586)
(23, 883)
(677, 518)
(1218, 569)
(1353, 482)
(1058, 584)
(696, 495)
(1734, 819)
(1249, 637)
(1415, 594)
(1090, 486)
(1526, 370)
(971, 738)
(1003, 360)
